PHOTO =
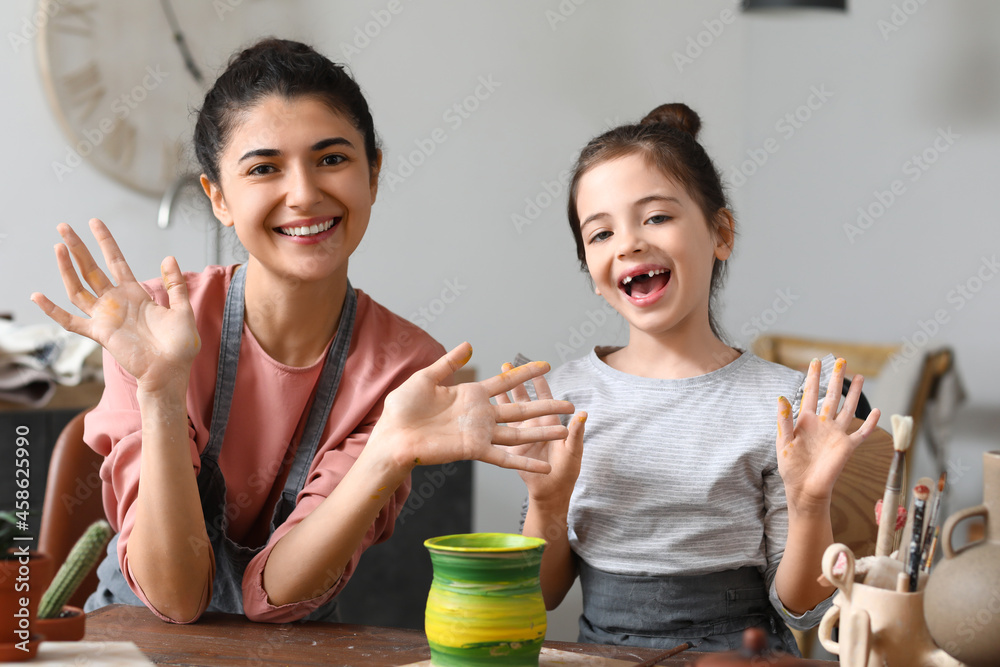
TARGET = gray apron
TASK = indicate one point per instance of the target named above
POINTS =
(231, 559)
(710, 610)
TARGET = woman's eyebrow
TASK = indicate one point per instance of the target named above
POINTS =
(318, 146)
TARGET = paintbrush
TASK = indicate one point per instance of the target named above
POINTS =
(932, 519)
(902, 428)
(920, 494)
(903, 555)
(656, 659)
(929, 559)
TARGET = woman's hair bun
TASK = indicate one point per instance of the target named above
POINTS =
(677, 115)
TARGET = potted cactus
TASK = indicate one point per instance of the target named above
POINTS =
(56, 620)
(24, 575)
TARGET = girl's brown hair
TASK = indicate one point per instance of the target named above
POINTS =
(667, 139)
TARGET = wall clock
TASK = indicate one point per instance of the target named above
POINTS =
(124, 78)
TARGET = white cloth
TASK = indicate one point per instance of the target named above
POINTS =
(35, 358)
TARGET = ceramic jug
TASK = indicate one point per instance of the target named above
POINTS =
(963, 593)
(485, 605)
(878, 627)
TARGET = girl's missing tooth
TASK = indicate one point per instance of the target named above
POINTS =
(691, 510)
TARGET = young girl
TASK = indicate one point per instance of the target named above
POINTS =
(673, 511)
(257, 436)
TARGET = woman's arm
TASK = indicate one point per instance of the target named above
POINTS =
(811, 455)
(423, 422)
(167, 552)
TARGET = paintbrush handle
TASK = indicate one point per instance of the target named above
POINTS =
(887, 523)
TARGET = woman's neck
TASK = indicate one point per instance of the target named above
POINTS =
(679, 353)
(293, 320)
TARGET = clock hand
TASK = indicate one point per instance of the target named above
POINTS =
(181, 43)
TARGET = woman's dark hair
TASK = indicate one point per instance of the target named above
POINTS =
(666, 139)
(276, 67)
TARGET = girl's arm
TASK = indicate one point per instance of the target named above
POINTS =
(549, 495)
(423, 422)
(156, 345)
(811, 455)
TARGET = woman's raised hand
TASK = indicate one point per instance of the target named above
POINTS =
(155, 344)
(564, 455)
(812, 454)
(437, 423)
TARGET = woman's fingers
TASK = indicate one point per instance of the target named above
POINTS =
(832, 398)
(58, 315)
(503, 458)
(866, 429)
(523, 435)
(516, 376)
(810, 393)
(852, 399)
(77, 293)
(174, 283)
(452, 360)
(84, 260)
(574, 439)
(518, 393)
(113, 256)
(519, 412)
(542, 388)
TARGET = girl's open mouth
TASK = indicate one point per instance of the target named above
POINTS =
(645, 288)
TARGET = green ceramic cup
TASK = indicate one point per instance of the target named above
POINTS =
(485, 604)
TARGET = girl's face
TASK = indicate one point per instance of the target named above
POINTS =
(296, 186)
(635, 222)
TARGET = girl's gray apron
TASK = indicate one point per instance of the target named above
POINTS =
(709, 610)
(231, 559)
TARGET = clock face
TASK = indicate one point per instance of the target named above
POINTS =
(125, 89)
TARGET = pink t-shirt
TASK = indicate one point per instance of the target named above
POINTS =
(268, 412)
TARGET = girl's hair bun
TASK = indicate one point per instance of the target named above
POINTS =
(677, 115)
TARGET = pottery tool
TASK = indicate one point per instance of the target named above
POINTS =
(903, 554)
(657, 659)
(932, 520)
(902, 429)
(920, 494)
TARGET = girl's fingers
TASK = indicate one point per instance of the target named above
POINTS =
(58, 315)
(852, 399)
(452, 360)
(514, 377)
(574, 440)
(77, 293)
(113, 256)
(520, 411)
(173, 281)
(84, 260)
(542, 387)
(518, 393)
(833, 389)
(784, 422)
(523, 435)
(866, 428)
(810, 393)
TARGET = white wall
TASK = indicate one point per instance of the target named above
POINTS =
(450, 225)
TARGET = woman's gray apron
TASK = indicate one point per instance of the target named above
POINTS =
(231, 559)
(710, 610)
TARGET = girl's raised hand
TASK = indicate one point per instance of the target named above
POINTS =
(155, 344)
(564, 455)
(438, 423)
(813, 452)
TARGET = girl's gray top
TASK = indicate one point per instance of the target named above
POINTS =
(680, 476)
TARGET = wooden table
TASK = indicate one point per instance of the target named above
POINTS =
(225, 639)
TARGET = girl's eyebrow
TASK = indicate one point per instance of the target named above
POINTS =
(318, 146)
(638, 203)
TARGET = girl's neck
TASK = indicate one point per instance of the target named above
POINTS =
(293, 320)
(673, 355)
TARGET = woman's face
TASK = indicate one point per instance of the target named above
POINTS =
(649, 249)
(297, 187)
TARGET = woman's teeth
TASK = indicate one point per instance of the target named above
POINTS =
(307, 230)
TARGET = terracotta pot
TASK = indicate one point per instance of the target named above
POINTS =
(485, 604)
(963, 593)
(69, 626)
(23, 581)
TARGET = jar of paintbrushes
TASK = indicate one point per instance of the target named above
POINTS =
(879, 607)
